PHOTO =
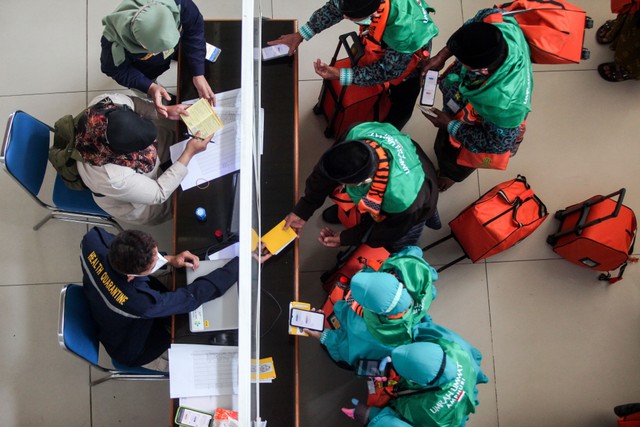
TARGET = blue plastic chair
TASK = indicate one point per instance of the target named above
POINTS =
(25, 154)
(78, 334)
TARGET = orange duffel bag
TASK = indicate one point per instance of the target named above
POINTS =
(554, 29)
(499, 219)
(598, 234)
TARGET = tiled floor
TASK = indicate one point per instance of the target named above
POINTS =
(560, 348)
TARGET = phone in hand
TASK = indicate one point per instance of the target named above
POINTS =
(306, 319)
(427, 110)
(369, 368)
(193, 418)
(429, 87)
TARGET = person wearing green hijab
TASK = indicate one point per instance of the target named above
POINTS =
(400, 42)
(383, 185)
(140, 38)
(486, 97)
(383, 309)
(439, 373)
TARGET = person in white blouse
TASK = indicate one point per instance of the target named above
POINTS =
(123, 143)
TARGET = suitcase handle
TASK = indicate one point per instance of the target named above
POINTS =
(585, 208)
(355, 50)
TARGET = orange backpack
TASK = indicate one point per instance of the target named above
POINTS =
(554, 29)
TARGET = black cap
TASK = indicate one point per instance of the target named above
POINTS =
(349, 162)
(128, 132)
(477, 45)
(359, 8)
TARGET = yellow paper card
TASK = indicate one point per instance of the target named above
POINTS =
(278, 238)
(202, 118)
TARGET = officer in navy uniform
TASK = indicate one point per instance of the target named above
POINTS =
(133, 308)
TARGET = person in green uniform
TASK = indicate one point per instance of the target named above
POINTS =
(382, 183)
(486, 97)
(382, 310)
(438, 373)
(396, 35)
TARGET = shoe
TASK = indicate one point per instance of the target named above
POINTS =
(612, 72)
(330, 215)
(601, 33)
(434, 222)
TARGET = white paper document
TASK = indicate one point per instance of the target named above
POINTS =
(221, 157)
(226, 253)
(202, 370)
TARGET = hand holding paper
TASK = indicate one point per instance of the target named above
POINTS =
(202, 118)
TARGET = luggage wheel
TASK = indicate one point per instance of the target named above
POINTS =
(552, 240)
(317, 109)
(588, 22)
(586, 54)
(558, 214)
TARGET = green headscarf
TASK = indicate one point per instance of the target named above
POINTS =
(418, 277)
(409, 26)
(406, 175)
(505, 98)
(142, 26)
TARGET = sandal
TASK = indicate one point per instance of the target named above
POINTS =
(612, 72)
(602, 32)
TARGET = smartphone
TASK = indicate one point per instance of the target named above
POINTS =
(193, 418)
(429, 86)
(427, 110)
(368, 368)
(307, 319)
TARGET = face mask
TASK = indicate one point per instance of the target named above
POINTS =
(161, 261)
(366, 21)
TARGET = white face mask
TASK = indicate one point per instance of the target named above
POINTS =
(366, 21)
(160, 262)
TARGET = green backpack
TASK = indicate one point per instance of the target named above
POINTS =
(63, 154)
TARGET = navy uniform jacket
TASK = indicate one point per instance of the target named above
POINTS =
(133, 316)
(138, 73)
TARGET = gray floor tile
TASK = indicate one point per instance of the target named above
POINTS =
(41, 383)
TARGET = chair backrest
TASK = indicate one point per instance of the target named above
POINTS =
(77, 331)
(26, 149)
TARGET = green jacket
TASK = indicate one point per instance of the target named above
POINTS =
(409, 26)
(505, 98)
(450, 404)
(406, 174)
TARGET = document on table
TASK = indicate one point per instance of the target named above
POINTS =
(226, 253)
(221, 157)
(202, 370)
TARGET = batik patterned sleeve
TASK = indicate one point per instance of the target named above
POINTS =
(323, 18)
(485, 137)
(389, 67)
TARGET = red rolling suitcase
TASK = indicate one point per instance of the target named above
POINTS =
(344, 105)
(499, 219)
(598, 234)
(554, 29)
(336, 281)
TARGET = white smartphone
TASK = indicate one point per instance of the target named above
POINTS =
(307, 319)
(429, 87)
(191, 418)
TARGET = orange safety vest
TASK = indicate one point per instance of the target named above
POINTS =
(348, 212)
